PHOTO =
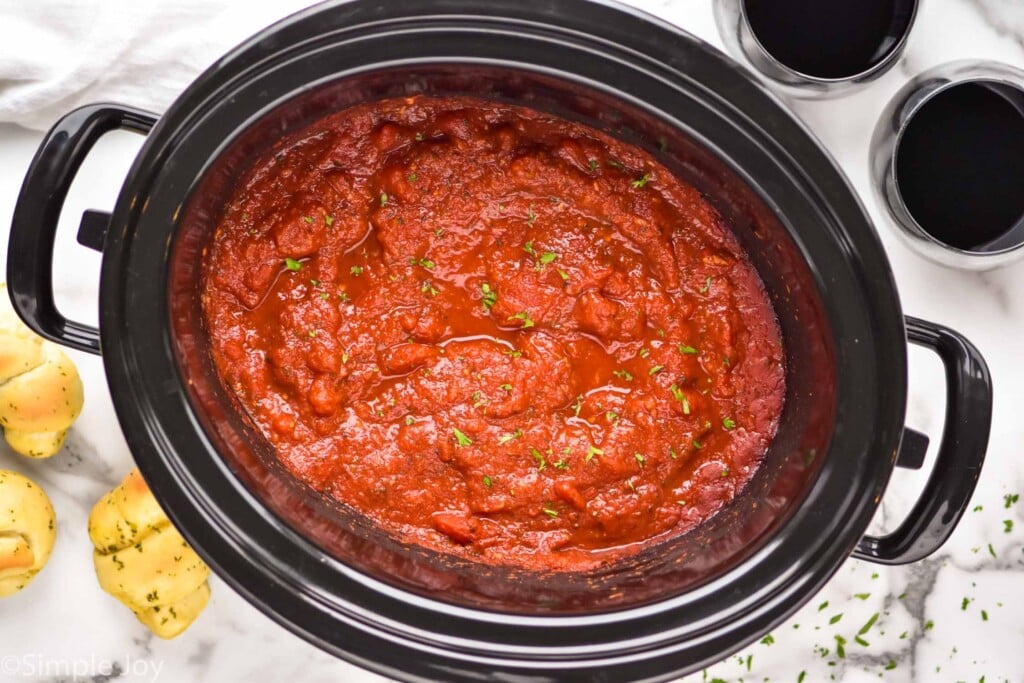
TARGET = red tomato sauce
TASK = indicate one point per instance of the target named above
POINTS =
(497, 333)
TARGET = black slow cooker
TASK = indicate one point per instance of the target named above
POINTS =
(338, 581)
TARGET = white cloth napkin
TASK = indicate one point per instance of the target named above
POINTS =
(58, 54)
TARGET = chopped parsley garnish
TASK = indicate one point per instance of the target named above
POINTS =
(325, 296)
(528, 248)
(562, 464)
(487, 481)
(697, 444)
(686, 349)
(550, 511)
(356, 270)
(860, 641)
(707, 285)
(514, 353)
(623, 374)
(329, 220)
(383, 198)
(641, 181)
(564, 275)
(426, 263)
(614, 164)
(655, 370)
(840, 647)
(461, 438)
(891, 665)
(489, 298)
(505, 438)
(539, 458)
(592, 164)
(523, 316)
(292, 264)
(678, 394)
(531, 217)
(343, 296)
(410, 420)
(429, 288)
(308, 219)
(611, 416)
(728, 423)
(576, 406)
(506, 387)
(984, 615)
(640, 459)
(412, 177)
(547, 257)
(643, 353)
(965, 603)
(929, 625)
(592, 450)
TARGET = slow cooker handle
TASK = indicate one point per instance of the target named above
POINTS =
(960, 454)
(34, 228)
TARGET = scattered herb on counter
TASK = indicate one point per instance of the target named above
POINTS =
(862, 596)
(1010, 499)
(768, 640)
(965, 603)
(840, 647)
(1007, 526)
(977, 508)
(860, 641)
(461, 438)
(835, 619)
(991, 550)
(984, 615)
(292, 264)
(891, 665)
(867, 627)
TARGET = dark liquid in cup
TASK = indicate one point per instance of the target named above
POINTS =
(829, 38)
(960, 166)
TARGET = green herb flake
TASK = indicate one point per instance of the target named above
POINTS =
(487, 481)
(697, 444)
(547, 257)
(356, 270)
(539, 458)
(964, 604)
(524, 316)
(292, 264)
(383, 198)
(426, 263)
(329, 220)
(862, 596)
(643, 353)
(325, 296)
(531, 217)
(768, 640)
(623, 374)
(686, 349)
(840, 647)
(640, 459)
(308, 219)
(528, 248)
(867, 626)
(592, 450)
(1007, 526)
(992, 551)
(801, 677)
(641, 181)
(860, 641)
(564, 275)
(891, 665)
(506, 387)
(728, 423)
(513, 353)
(410, 420)
(429, 288)
(461, 438)
(984, 615)
(835, 619)
(562, 465)
(929, 625)
(550, 511)
(576, 406)
(489, 298)
(1010, 499)
(505, 438)
(655, 370)
(412, 177)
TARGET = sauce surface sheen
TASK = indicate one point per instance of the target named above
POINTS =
(497, 333)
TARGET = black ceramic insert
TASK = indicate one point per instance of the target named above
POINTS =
(326, 574)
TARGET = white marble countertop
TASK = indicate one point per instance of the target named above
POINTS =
(956, 616)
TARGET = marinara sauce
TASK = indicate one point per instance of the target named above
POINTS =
(497, 333)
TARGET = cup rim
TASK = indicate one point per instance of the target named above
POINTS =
(881, 65)
(917, 228)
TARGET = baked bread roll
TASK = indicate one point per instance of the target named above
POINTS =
(144, 562)
(40, 390)
(28, 529)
